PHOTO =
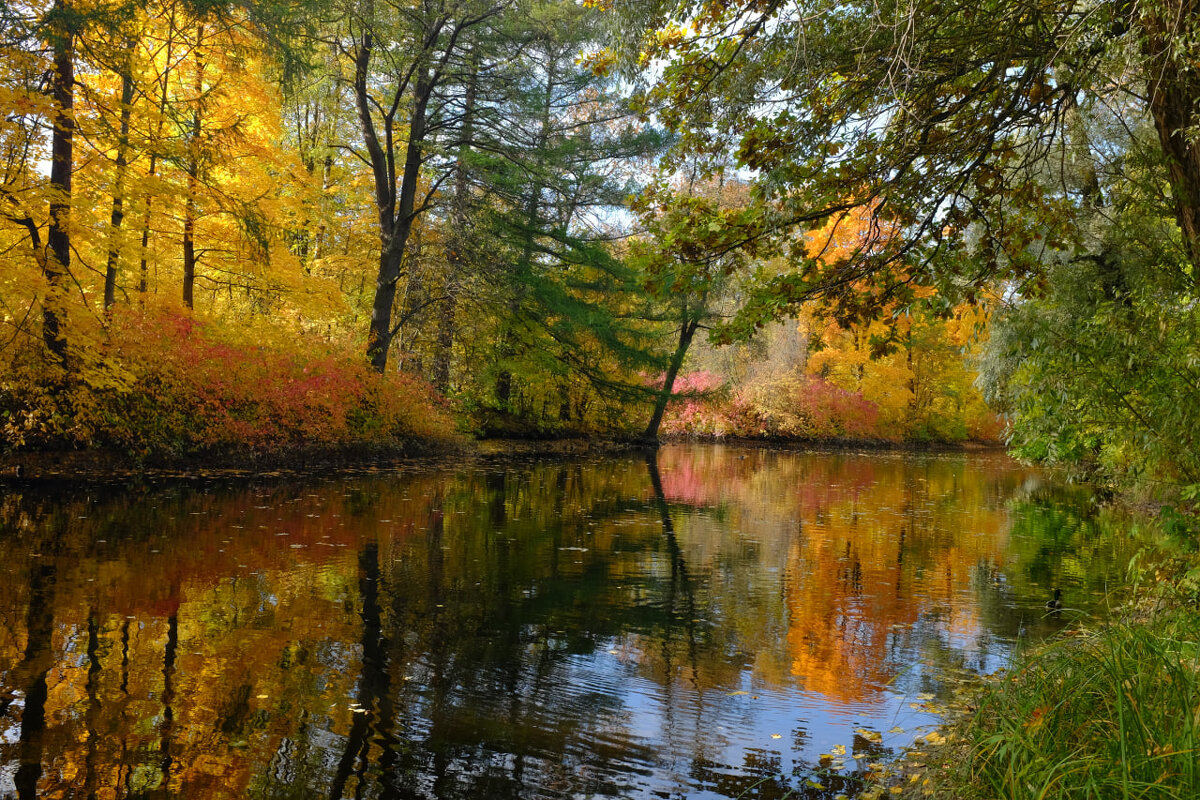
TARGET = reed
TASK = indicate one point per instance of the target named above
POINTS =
(1107, 715)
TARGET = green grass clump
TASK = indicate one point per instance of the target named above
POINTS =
(1114, 714)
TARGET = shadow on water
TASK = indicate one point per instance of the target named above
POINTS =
(701, 622)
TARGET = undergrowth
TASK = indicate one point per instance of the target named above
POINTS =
(164, 383)
(799, 406)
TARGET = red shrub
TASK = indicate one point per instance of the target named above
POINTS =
(186, 385)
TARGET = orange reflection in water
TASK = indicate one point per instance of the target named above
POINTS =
(871, 544)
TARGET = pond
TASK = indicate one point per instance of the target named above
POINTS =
(708, 622)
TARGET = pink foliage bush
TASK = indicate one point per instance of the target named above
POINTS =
(792, 407)
(696, 408)
(830, 411)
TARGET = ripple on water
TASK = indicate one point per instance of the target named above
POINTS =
(553, 631)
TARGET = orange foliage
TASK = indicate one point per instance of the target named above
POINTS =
(908, 377)
(924, 388)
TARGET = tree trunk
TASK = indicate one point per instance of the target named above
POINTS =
(118, 196)
(56, 265)
(687, 330)
(447, 330)
(412, 310)
(144, 265)
(391, 260)
(318, 250)
(1174, 96)
(193, 182)
(504, 377)
(456, 242)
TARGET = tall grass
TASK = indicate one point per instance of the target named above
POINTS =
(1115, 714)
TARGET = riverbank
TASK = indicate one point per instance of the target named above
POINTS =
(1112, 711)
(107, 464)
(838, 443)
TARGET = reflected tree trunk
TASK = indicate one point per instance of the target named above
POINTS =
(374, 683)
(681, 582)
(36, 663)
(167, 760)
(441, 662)
(92, 716)
(123, 764)
(495, 485)
(386, 718)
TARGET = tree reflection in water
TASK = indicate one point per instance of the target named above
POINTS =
(700, 622)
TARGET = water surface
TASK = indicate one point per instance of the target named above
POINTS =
(703, 624)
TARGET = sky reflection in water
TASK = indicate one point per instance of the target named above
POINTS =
(704, 625)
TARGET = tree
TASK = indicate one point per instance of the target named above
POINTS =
(399, 58)
(922, 115)
(685, 270)
(1097, 371)
(51, 35)
(528, 277)
(121, 173)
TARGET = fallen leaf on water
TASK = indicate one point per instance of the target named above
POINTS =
(896, 729)
(838, 750)
(776, 735)
(870, 736)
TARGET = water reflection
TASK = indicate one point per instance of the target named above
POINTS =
(705, 622)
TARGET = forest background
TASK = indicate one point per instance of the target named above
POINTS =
(249, 226)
